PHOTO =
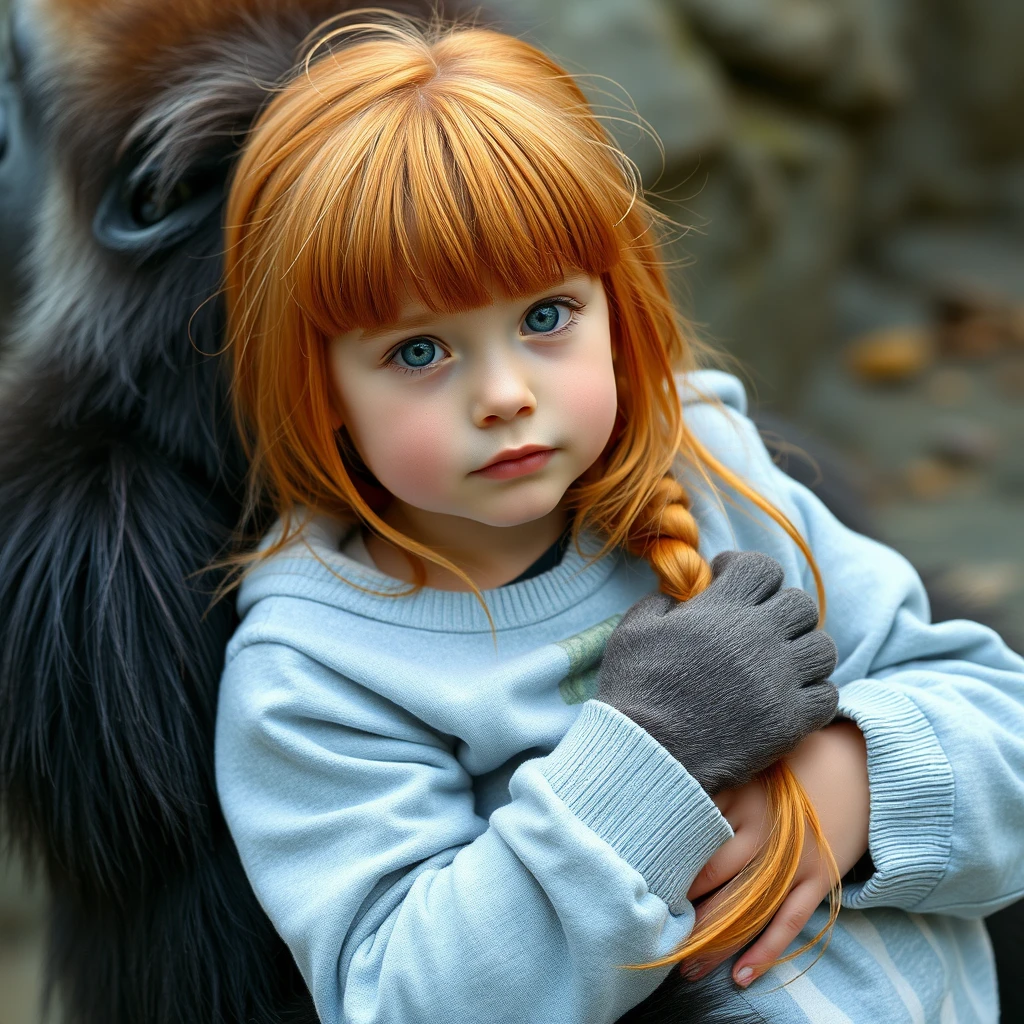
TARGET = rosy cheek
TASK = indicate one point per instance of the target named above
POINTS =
(588, 403)
(409, 449)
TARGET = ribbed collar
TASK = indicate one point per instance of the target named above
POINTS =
(310, 568)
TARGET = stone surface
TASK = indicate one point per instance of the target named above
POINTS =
(1009, 380)
(872, 73)
(949, 488)
(842, 53)
(791, 39)
(929, 479)
(986, 35)
(959, 535)
(773, 219)
(976, 336)
(949, 387)
(987, 584)
(945, 259)
(955, 146)
(634, 54)
(964, 442)
(865, 302)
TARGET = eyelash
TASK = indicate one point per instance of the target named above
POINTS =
(575, 307)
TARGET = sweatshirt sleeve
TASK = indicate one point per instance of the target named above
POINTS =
(941, 705)
(356, 826)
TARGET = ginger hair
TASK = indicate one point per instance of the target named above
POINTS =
(434, 158)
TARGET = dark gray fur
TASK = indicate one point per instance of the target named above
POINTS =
(728, 681)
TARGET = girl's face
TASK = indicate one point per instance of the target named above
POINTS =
(433, 400)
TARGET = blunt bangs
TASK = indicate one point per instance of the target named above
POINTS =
(444, 191)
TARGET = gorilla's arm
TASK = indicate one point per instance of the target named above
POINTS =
(110, 653)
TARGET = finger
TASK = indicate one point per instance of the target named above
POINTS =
(748, 577)
(794, 610)
(814, 656)
(818, 705)
(784, 927)
(694, 970)
(815, 707)
(729, 860)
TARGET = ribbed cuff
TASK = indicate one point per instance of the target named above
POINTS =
(911, 782)
(629, 790)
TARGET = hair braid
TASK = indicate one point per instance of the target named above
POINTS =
(665, 534)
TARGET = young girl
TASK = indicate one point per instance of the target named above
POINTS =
(460, 787)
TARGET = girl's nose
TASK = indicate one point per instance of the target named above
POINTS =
(502, 394)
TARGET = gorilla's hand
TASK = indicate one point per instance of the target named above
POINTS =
(729, 681)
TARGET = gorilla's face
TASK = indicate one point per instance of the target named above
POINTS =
(119, 124)
(119, 121)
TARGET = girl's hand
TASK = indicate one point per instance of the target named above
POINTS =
(832, 767)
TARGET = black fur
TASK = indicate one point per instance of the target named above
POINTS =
(119, 482)
(109, 656)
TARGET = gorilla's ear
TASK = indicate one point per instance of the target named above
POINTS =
(141, 215)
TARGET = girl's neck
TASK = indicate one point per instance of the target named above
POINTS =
(491, 556)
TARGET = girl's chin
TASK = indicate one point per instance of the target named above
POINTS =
(509, 518)
(515, 507)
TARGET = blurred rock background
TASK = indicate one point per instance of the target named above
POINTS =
(851, 173)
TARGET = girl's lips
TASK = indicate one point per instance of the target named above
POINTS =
(509, 468)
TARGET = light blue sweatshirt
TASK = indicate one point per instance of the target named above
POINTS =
(445, 832)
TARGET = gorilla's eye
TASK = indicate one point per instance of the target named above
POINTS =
(137, 218)
(148, 207)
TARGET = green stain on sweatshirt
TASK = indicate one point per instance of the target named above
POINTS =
(585, 651)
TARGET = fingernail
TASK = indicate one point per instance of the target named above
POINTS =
(744, 976)
(695, 972)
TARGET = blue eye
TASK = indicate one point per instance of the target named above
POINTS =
(417, 353)
(547, 317)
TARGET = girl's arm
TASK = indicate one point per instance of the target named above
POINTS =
(941, 706)
(357, 828)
